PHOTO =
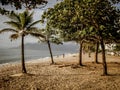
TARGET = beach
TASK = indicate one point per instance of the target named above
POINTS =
(66, 74)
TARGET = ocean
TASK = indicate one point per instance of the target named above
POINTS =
(36, 51)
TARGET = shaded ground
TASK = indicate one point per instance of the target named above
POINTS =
(65, 75)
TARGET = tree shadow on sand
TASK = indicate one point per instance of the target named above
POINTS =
(74, 66)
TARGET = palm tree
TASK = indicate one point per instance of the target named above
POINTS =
(23, 25)
(50, 37)
(44, 40)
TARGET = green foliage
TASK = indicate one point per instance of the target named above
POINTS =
(84, 19)
(65, 17)
(3, 11)
(18, 4)
(50, 34)
(89, 47)
(28, 3)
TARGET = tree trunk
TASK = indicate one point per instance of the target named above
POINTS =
(22, 56)
(80, 54)
(103, 58)
(96, 52)
(49, 46)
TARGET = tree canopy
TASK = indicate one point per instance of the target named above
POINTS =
(80, 20)
(19, 3)
(89, 17)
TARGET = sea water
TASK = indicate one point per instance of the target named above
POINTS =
(35, 51)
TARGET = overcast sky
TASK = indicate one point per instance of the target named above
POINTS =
(4, 37)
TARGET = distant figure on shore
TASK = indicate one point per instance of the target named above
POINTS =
(83, 51)
(63, 55)
(89, 54)
(57, 55)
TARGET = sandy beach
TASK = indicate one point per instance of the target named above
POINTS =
(66, 74)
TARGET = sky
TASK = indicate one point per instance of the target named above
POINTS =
(5, 41)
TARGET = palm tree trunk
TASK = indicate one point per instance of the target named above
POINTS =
(96, 53)
(103, 58)
(80, 54)
(22, 55)
(49, 46)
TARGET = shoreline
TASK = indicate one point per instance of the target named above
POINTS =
(40, 60)
(32, 59)
(64, 56)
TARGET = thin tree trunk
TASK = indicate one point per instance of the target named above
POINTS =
(80, 54)
(22, 56)
(96, 53)
(49, 46)
(103, 58)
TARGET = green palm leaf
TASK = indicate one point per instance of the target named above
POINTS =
(31, 15)
(34, 23)
(37, 35)
(14, 17)
(29, 18)
(22, 19)
(16, 25)
(8, 30)
(32, 29)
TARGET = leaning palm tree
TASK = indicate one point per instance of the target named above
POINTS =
(47, 39)
(23, 25)
(51, 37)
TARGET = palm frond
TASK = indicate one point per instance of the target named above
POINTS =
(14, 24)
(37, 35)
(14, 36)
(31, 15)
(28, 21)
(14, 16)
(29, 18)
(32, 29)
(35, 30)
(36, 22)
(26, 13)
(26, 18)
(8, 30)
(22, 19)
